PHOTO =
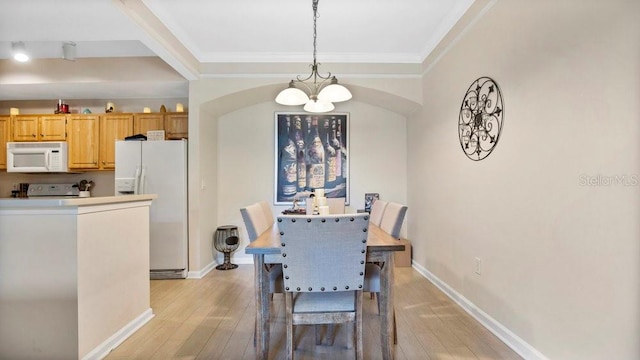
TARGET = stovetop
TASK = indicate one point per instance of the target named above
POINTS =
(53, 190)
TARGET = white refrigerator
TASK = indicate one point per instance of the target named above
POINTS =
(159, 167)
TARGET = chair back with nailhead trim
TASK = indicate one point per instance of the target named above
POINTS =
(323, 253)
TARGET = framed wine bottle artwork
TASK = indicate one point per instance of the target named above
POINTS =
(311, 152)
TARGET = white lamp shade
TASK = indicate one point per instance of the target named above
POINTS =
(318, 106)
(292, 96)
(334, 93)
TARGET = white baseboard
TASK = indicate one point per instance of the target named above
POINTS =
(512, 340)
(102, 350)
(243, 260)
(240, 260)
(201, 273)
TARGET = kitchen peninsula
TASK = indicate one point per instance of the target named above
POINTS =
(74, 275)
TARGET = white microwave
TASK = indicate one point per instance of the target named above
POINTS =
(37, 157)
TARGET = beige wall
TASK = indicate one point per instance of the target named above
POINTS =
(560, 258)
(246, 138)
(222, 108)
(557, 236)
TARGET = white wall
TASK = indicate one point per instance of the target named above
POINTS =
(558, 237)
(377, 139)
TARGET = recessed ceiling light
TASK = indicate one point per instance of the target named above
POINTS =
(19, 51)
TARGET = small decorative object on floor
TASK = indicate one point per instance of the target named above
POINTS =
(226, 241)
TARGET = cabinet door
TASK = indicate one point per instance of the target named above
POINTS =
(52, 128)
(25, 128)
(176, 126)
(146, 122)
(83, 141)
(5, 132)
(112, 128)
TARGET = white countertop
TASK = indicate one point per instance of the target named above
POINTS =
(25, 203)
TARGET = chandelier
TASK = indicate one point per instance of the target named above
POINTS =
(321, 93)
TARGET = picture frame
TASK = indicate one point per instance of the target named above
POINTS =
(304, 162)
(369, 199)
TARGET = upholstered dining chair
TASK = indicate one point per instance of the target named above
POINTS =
(393, 218)
(312, 294)
(377, 210)
(254, 220)
(336, 205)
(268, 213)
(256, 223)
(391, 222)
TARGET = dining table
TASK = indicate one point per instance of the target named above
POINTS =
(380, 249)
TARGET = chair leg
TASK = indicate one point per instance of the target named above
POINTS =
(288, 300)
(331, 331)
(358, 327)
(395, 329)
(316, 330)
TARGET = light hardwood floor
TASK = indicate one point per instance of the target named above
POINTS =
(212, 318)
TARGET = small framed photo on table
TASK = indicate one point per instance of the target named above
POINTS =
(369, 199)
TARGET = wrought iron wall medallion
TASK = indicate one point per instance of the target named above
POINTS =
(481, 118)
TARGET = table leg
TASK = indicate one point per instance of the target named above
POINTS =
(386, 307)
(262, 307)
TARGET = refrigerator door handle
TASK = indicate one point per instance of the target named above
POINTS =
(143, 175)
(136, 181)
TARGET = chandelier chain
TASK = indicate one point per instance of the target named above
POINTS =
(315, 31)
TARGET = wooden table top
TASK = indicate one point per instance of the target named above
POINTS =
(269, 241)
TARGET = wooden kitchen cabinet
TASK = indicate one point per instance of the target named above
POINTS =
(53, 127)
(146, 122)
(113, 127)
(83, 140)
(39, 128)
(5, 136)
(176, 125)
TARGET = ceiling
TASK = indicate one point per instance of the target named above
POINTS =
(193, 37)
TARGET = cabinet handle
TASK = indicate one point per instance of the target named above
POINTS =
(41, 135)
(33, 135)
